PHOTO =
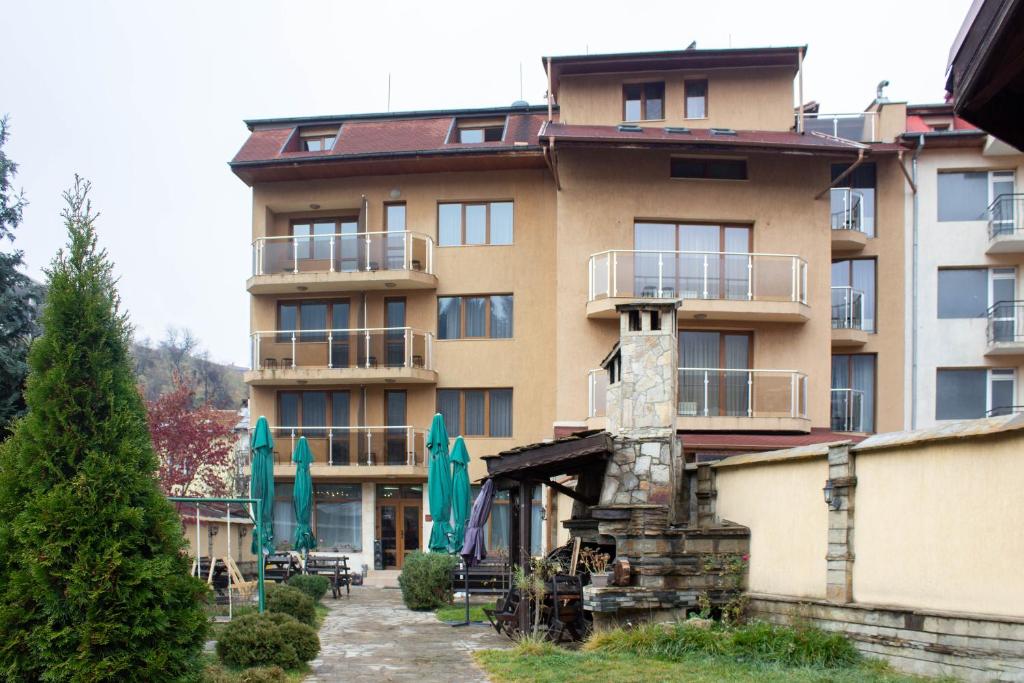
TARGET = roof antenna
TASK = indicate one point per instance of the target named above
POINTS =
(692, 46)
(389, 92)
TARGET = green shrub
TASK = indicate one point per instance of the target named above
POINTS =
(288, 600)
(315, 587)
(269, 674)
(426, 580)
(303, 638)
(256, 640)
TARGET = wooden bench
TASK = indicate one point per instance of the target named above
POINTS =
(484, 579)
(279, 567)
(336, 571)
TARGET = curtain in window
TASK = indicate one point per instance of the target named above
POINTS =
(449, 225)
(863, 380)
(322, 240)
(313, 317)
(962, 196)
(737, 356)
(657, 238)
(474, 413)
(314, 414)
(501, 223)
(501, 412)
(284, 521)
(341, 439)
(448, 317)
(699, 238)
(501, 317)
(339, 525)
(498, 527)
(698, 350)
(448, 406)
(536, 521)
(864, 281)
(287, 317)
(736, 276)
(476, 316)
(288, 410)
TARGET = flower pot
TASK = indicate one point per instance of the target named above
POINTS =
(599, 580)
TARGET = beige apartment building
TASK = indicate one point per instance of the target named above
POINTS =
(470, 262)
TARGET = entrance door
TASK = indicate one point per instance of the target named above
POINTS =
(399, 510)
(396, 451)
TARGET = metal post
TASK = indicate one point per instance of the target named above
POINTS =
(330, 445)
(750, 393)
(614, 271)
(410, 447)
(260, 559)
(750, 277)
(366, 238)
(366, 347)
(199, 564)
(230, 601)
(705, 285)
(661, 265)
(293, 348)
(295, 254)
(369, 447)
(331, 268)
(408, 347)
(705, 393)
(792, 394)
(793, 280)
(255, 350)
(406, 251)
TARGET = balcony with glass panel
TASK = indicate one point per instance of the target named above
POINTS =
(1006, 224)
(852, 217)
(742, 400)
(711, 285)
(1005, 329)
(848, 322)
(857, 126)
(357, 452)
(341, 262)
(847, 413)
(597, 398)
(341, 356)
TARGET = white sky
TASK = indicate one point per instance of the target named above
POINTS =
(148, 102)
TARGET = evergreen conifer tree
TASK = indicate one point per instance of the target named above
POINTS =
(93, 582)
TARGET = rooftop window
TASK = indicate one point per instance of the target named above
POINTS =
(317, 139)
(474, 131)
(643, 101)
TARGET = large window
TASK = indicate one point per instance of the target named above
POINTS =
(496, 528)
(696, 99)
(711, 381)
(643, 101)
(313, 236)
(339, 516)
(476, 412)
(969, 393)
(853, 393)
(969, 292)
(460, 317)
(858, 274)
(474, 223)
(966, 195)
(714, 267)
(853, 201)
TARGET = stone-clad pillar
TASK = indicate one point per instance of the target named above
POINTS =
(840, 556)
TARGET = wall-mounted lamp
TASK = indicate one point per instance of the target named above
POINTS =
(831, 499)
(213, 530)
(314, 206)
(395, 193)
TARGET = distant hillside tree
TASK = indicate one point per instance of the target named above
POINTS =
(94, 585)
(193, 444)
(19, 296)
(180, 353)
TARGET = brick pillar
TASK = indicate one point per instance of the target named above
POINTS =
(840, 556)
(706, 494)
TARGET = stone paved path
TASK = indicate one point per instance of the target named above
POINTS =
(371, 636)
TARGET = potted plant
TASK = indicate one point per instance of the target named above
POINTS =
(596, 563)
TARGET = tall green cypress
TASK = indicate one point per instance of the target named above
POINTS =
(93, 582)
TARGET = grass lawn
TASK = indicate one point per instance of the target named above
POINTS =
(457, 612)
(559, 665)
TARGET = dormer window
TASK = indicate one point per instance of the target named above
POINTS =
(468, 131)
(643, 101)
(317, 139)
(696, 99)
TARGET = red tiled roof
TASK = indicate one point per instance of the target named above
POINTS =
(736, 441)
(705, 138)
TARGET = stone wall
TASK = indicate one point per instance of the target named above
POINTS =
(641, 472)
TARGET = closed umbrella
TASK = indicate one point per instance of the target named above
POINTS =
(302, 498)
(474, 550)
(439, 486)
(261, 484)
(460, 492)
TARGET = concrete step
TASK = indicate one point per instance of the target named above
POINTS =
(382, 578)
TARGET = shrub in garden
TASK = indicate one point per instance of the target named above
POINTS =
(256, 640)
(426, 580)
(289, 600)
(314, 586)
(303, 638)
(93, 582)
(268, 674)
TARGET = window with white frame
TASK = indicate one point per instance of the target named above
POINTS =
(966, 195)
(967, 393)
(970, 292)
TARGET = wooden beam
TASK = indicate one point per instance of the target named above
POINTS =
(565, 490)
(525, 535)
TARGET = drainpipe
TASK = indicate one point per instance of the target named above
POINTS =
(914, 289)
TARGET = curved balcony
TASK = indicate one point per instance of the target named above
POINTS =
(848, 317)
(850, 217)
(712, 285)
(1005, 329)
(391, 451)
(1006, 225)
(742, 400)
(342, 262)
(342, 356)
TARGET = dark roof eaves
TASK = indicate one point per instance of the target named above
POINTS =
(396, 115)
(362, 156)
(672, 53)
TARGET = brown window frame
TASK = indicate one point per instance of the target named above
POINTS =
(487, 411)
(849, 373)
(643, 100)
(387, 205)
(298, 312)
(487, 229)
(329, 406)
(707, 98)
(307, 252)
(322, 139)
(487, 319)
(722, 376)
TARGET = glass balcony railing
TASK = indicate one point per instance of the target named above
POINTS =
(371, 348)
(353, 446)
(853, 209)
(859, 127)
(344, 253)
(1006, 216)
(1006, 322)
(847, 410)
(726, 392)
(597, 393)
(698, 275)
(847, 308)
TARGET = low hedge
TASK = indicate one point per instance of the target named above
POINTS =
(256, 640)
(293, 601)
(426, 580)
(314, 586)
(303, 638)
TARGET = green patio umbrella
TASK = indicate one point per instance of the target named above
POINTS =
(302, 498)
(261, 483)
(460, 492)
(439, 486)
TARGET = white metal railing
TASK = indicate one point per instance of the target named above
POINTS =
(847, 410)
(343, 252)
(373, 347)
(697, 275)
(858, 126)
(848, 209)
(847, 308)
(1005, 322)
(712, 392)
(1006, 216)
(597, 392)
(400, 445)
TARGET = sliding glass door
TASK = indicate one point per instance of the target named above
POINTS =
(692, 261)
(713, 381)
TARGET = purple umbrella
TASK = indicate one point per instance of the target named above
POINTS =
(473, 548)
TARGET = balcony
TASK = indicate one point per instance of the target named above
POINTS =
(1006, 225)
(712, 285)
(356, 452)
(849, 223)
(1005, 329)
(345, 356)
(848, 317)
(742, 400)
(847, 410)
(342, 262)
(859, 127)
